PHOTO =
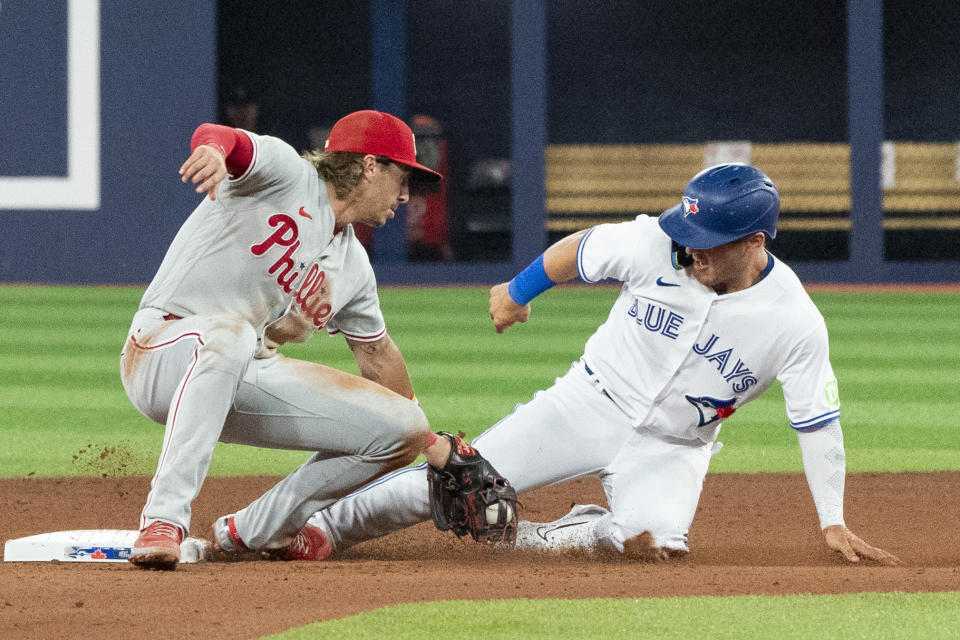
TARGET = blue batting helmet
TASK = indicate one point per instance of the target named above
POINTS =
(722, 204)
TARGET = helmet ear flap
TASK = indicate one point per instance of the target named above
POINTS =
(679, 257)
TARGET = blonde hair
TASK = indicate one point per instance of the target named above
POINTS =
(342, 169)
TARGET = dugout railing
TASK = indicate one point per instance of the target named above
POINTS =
(592, 184)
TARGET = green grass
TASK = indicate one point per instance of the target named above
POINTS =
(897, 357)
(863, 615)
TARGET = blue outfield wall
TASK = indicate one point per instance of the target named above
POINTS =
(98, 99)
(157, 81)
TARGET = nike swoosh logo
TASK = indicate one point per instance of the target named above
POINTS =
(661, 283)
(543, 532)
(305, 214)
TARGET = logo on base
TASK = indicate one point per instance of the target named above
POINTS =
(98, 553)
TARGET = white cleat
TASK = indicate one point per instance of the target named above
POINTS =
(569, 533)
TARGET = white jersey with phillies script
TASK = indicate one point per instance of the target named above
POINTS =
(677, 357)
(267, 245)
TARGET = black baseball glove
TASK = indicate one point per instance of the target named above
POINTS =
(468, 496)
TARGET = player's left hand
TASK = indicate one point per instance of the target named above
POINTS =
(852, 548)
(205, 166)
(467, 495)
(503, 310)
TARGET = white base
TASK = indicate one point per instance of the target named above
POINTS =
(87, 545)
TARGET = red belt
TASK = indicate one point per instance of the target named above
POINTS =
(171, 316)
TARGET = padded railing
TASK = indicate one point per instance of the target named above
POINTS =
(590, 184)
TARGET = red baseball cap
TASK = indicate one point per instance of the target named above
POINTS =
(380, 134)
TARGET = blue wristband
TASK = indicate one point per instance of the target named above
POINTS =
(530, 282)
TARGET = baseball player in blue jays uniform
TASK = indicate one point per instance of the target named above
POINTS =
(705, 321)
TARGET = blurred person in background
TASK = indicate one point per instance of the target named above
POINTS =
(241, 110)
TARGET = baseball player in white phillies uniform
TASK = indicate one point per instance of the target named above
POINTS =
(270, 257)
(705, 321)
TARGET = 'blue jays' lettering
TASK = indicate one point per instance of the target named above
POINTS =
(656, 319)
(738, 374)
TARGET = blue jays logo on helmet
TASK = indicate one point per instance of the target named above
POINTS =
(689, 205)
(731, 201)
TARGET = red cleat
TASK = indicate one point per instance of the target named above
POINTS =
(158, 546)
(310, 544)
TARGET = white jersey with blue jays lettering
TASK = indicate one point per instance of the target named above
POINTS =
(266, 247)
(677, 357)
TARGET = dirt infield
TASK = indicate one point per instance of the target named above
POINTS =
(753, 534)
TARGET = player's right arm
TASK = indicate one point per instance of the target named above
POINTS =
(216, 151)
(510, 301)
(381, 361)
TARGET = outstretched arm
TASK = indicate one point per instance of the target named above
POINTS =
(824, 464)
(510, 301)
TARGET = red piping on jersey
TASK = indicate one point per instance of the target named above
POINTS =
(234, 144)
(176, 408)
